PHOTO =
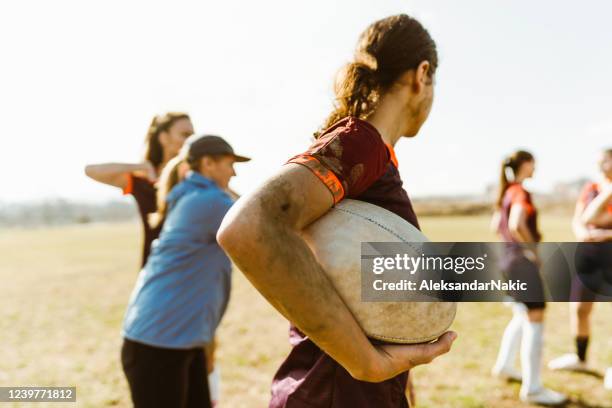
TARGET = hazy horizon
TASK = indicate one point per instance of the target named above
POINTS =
(81, 82)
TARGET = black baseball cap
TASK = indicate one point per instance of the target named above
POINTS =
(197, 146)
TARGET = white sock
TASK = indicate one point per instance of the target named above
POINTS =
(511, 340)
(214, 384)
(531, 356)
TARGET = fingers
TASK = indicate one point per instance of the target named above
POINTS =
(443, 344)
(430, 351)
(395, 359)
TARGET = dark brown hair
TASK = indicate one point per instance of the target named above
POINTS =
(514, 163)
(154, 152)
(386, 49)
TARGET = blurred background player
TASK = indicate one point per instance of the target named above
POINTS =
(164, 139)
(183, 289)
(516, 222)
(592, 223)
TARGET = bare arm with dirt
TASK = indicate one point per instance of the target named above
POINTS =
(261, 233)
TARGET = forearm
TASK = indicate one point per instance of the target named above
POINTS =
(596, 208)
(113, 173)
(262, 234)
(286, 273)
(607, 235)
(111, 169)
(599, 235)
(521, 233)
(580, 229)
(527, 235)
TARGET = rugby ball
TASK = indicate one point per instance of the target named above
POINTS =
(336, 239)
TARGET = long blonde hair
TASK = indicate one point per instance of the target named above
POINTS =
(169, 178)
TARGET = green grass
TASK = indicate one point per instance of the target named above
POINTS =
(64, 291)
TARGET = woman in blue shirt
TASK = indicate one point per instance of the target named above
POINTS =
(183, 290)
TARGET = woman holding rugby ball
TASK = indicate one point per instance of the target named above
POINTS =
(516, 219)
(384, 94)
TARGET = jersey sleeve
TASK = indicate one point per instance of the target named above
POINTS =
(520, 197)
(347, 160)
(129, 186)
(588, 193)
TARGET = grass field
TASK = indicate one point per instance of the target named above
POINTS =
(64, 291)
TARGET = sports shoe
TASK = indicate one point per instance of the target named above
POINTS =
(544, 396)
(568, 362)
(508, 374)
(608, 379)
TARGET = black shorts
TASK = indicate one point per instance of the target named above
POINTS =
(521, 268)
(593, 262)
(161, 377)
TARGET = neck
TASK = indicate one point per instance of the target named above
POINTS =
(385, 120)
(165, 159)
(207, 176)
(520, 179)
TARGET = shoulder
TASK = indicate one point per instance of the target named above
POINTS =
(350, 136)
(351, 153)
(518, 195)
(589, 192)
(203, 200)
(590, 187)
(515, 190)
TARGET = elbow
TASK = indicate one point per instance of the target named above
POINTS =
(365, 374)
(362, 375)
(235, 236)
(367, 371)
(91, 172)
(227, 236)
(586, 219)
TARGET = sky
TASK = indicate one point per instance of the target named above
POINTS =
(80, 82)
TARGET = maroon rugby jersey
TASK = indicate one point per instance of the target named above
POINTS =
(144, 193)
(354, 162)
(516, 194)
(589, 192)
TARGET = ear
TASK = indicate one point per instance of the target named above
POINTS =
(163, 138)
(206, 162)
(422, 76)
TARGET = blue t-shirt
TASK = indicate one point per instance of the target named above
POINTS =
(183, 290)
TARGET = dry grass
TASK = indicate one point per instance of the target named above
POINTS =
(65, 291)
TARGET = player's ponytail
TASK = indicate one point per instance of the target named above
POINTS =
(386, 49)
(510, 164)
(169, 178)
